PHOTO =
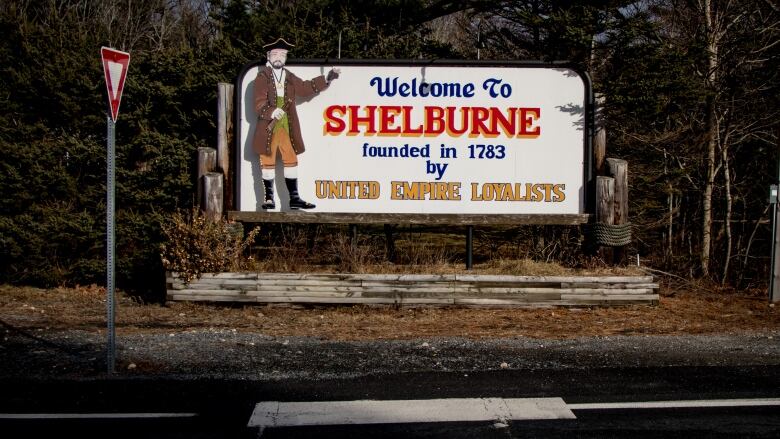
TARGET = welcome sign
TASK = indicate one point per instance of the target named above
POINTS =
(427, 139)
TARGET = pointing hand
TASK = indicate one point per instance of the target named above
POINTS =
(333, 74)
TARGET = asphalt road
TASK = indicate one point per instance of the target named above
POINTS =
(206, 383)
(211, 408)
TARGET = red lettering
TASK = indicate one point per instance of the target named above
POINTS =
(508, 124)
(527, 117)
(387, 119)
(478, 117)
(334, 125)
(464, 122)
(436, 120)
(367, 120)
(408, 130)
(395, 120)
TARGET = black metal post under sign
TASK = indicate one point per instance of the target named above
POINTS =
(469, 247)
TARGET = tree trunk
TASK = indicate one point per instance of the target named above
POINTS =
(727, 220)
(669, 252)
(710, 135)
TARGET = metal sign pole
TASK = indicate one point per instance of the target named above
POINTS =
(110, 245)
(774, 197)
(115, 65)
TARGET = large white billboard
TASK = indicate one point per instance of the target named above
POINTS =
(422, 139)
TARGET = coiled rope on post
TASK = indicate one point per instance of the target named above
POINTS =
(610, 235)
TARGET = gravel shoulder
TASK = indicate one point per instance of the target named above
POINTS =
(240, 355)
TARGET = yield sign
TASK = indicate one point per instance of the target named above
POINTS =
(115, 65)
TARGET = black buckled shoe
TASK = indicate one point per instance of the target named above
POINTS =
(295, 200)
(268, 185)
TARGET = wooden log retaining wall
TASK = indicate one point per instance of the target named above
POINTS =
(416, 289)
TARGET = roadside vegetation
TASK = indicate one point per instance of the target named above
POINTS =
(685, 308)
(192, 245)
(689, 101)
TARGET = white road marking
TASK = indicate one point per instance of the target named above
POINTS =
(288, 414)
(95, 415)
(677, 404)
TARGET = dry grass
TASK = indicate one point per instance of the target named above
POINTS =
(684, 309)
(362, 263)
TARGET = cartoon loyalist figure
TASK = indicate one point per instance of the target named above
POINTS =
(278, 129)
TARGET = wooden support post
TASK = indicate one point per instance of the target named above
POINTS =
(618, 169)
(207, 162)
(605, 199)
(599, 150)
(600, 137)
(599, 145)
(605, 207)
(469, 247)
(389, 243)
(225, 138)
(212, 195)
(353, 235)
(311, 236)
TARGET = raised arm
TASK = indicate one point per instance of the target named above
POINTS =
(304, 89)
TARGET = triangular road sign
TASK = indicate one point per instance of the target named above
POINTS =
(115, 65)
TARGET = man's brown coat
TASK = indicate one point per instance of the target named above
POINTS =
(265, 104)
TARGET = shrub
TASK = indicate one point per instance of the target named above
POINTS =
(194, 245)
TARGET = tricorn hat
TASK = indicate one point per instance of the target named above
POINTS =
(280, 43)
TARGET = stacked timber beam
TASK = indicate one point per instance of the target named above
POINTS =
(416, 290)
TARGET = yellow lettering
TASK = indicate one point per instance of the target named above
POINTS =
(424, 190)
(347, 189)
